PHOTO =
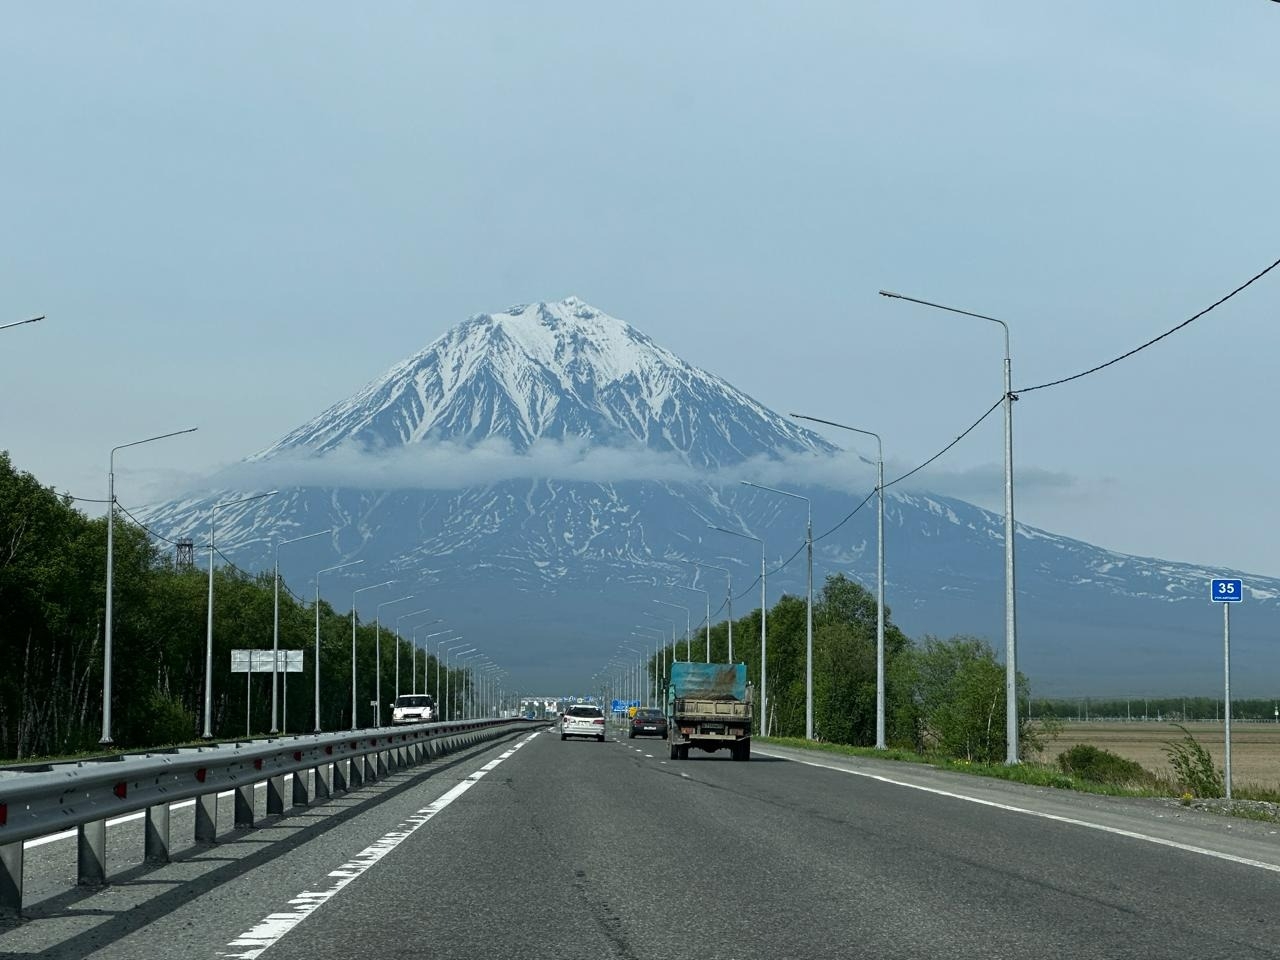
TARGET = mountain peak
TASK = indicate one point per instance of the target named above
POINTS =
(558, 370)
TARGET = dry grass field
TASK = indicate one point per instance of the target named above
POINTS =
(1255, 747)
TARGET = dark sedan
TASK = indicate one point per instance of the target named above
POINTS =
(649, 723)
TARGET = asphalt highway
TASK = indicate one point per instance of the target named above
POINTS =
(533, 847)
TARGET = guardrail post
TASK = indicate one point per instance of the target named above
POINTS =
(381, 763)
(155, 843)
(244, 807)
(11, 879)
(323, 778)
(275, 795)
(301, 793)
(207, 818)
(370, 770)
(341, 781)
(91, 853)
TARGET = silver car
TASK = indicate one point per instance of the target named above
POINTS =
(582, 720)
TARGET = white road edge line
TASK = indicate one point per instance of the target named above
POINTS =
(276, 925)
(1118, 831)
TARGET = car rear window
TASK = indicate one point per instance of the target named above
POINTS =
(584, 712)
(647, 714)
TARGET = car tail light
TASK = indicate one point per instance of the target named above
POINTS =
(599, 721)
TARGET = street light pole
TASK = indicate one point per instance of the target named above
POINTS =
(377, 656)
(350, 563)
(413, 665)
(880, 572)
(688, 630)
(707, 596)
(426, 655)
(688, 619)
(275, 623)
(111, 522)
(464, 680)
(447, 652)
(658, 640)
(808, 671)
(354, 594)
(440, 649)
(208, 647)
(764, 636)
(1010, 619)
(728, 598)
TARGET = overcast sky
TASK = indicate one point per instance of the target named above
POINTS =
(235, 215)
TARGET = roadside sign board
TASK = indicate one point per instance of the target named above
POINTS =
(1226, 591)
(259, 661)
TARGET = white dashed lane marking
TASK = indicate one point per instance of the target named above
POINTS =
(275, 925)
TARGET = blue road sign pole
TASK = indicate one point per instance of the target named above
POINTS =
(1226, 695)
(1226, 592)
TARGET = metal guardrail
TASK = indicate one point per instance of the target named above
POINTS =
(45, 799)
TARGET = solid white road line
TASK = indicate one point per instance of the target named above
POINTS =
(275, 925)
(1118, 831)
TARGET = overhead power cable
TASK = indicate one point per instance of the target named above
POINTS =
(158, 536)
(1102, 366)
(973, 426)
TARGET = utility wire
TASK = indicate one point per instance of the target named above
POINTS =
(70, 496)
(1102, 366)
(969, 430)
(125, 511)
(847, 518)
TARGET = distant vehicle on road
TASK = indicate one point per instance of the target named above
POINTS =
(709, 707)
(413, 708)
(582, 720)
(649, 722)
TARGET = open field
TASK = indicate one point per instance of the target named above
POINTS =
(1255, 747)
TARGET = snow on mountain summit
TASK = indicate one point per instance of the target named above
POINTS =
(557, 370)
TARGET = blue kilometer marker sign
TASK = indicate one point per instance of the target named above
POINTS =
(1226, 591)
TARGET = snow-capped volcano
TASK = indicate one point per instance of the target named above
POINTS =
(539, 567)
(556, 371)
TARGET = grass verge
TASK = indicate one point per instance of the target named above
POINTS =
(1252, 801)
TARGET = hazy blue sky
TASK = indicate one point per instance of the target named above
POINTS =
(237, 214)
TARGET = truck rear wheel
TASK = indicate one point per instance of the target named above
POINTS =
(675, 751)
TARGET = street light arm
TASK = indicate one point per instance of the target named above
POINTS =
(175, 433)
(349, 563)
(842, 426)
(318, 533)
(18, 323)
(963, 313)
(761, 486)
(734, 533)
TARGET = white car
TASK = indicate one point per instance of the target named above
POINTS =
(582, 720)
(413, 708)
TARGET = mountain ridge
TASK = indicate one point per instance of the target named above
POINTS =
(574, 561)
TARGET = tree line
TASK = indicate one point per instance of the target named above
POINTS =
(52, 600)
(941, 696)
